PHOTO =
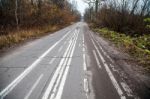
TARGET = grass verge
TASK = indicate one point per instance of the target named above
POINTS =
(138, 47)
(21, 35)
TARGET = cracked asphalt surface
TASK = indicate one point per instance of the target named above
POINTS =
(69, 64)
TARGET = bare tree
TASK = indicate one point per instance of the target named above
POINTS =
(134, 6)
(145, 4)
(16, 13)
(148, 9)
(90, 4)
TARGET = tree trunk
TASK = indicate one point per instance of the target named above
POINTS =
(96, 6)
(16, 14)
(32, 2)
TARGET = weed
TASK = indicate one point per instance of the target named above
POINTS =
(138, 47)
(22, 35)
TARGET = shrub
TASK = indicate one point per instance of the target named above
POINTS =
(138, 47)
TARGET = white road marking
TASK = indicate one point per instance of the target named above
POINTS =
(86, 86)
(97, 61)
(104, 51)
(84, 57)
(52, 60)
(83, 38)
(60, 48)
(113, 80)
(49, 88)
(113, 68)
(60, 90)
(83, 48)
(127, 89)
(84, 63)
(54, 78)
(10, 87)
(33, 87)
(61, 73)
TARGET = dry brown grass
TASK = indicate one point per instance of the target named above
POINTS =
(22, 35)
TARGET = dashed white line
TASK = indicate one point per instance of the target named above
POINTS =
(97, 61)
(84, 57)
(11, 86)
(86, 86)
(33, 87)
(84, 63)
(83, 37)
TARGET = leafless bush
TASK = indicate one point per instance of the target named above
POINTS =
(123, 16)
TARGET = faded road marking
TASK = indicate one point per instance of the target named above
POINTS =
(127, 89)
(110, 74)
(33, 87)
(63, 67)
(11, 86)
(84, 57)
(52, 60)
(86, 87)
(97, 61)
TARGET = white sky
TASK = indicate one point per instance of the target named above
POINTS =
(81, 5)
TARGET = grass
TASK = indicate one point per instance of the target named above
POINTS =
(18, 36)
(147, 20)
(138, 47)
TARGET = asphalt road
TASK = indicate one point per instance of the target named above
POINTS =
(68, 64)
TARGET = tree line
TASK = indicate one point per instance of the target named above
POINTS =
(120, 15)
(32, 13)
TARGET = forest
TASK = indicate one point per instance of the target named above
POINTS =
(124, 22)
(23, 19)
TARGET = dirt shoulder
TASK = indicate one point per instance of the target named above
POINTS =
(129, 69)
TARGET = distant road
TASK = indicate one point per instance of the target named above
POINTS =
(69, 64)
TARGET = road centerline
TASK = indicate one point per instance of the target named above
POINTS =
(60, 90)
(51, 84)
(62, 71)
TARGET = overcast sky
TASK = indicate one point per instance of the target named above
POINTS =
(81, 6)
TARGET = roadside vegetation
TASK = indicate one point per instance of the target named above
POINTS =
(124, 22)
(138, 47)
(24, 19)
